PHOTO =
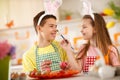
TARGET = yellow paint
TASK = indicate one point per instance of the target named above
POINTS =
(108, 11)
(110, 24)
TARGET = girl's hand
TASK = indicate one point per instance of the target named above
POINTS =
(65, 44)
(45, 66)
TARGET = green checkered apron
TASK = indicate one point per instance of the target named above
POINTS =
(53, 56)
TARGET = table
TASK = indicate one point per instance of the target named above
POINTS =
(76, 77)
(82, 77)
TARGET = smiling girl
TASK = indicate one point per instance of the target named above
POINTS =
(95, 32)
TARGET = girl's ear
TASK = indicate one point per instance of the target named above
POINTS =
(94, 30)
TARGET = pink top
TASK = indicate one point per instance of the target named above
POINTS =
(114, 57)
(90, 58)
(92, 55)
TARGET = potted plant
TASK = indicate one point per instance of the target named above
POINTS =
(116, 10)
(67, 14)
(7, 51)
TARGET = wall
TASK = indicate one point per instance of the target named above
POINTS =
(23, 35)
(75, 6)
(20, 11)
(24, 38)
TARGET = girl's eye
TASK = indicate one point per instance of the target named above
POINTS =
(84, 27)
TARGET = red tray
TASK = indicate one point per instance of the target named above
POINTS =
(57, 74)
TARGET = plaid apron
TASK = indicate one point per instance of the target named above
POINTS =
(89, 61)
(53, 56)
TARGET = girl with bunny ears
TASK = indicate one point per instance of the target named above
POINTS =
(99, 44)
(47, 54)
(95, 32)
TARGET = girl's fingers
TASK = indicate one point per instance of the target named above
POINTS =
(64, 42)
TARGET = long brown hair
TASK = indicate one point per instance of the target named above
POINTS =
(102, 37)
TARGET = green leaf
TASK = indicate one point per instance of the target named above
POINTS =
(116, 10)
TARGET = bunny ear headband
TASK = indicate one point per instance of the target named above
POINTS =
(50, 7)
(87, 8)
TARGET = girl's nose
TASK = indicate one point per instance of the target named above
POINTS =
(81, 30)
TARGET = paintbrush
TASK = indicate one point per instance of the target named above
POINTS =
(64, 39)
